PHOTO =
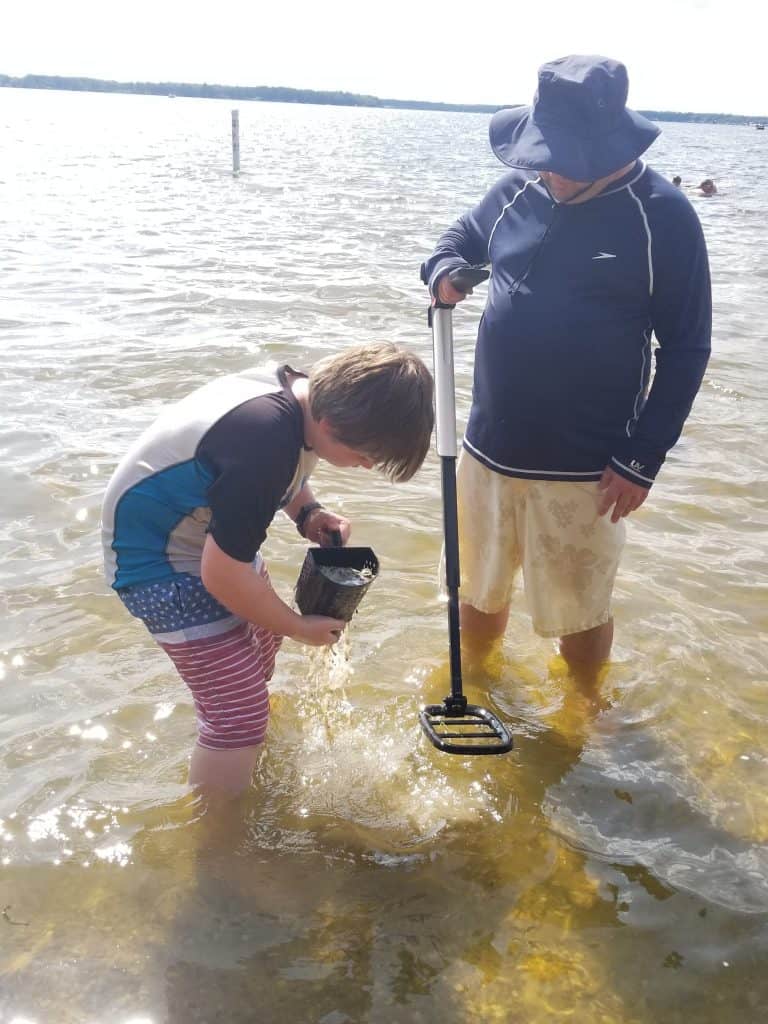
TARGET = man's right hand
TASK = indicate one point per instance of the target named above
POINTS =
(319, 630)
(448, 294)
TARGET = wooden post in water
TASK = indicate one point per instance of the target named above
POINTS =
(235, 141)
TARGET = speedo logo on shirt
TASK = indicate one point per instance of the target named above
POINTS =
(605, 256)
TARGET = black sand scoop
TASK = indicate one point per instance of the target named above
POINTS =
(455, 726)
(333, 581)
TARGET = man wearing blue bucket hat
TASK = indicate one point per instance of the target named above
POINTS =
(592, 253)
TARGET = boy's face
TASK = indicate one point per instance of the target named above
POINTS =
(338, 454)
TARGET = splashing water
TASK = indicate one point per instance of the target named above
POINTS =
(368, 764)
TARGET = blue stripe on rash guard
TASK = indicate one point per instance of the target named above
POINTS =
(148, 513)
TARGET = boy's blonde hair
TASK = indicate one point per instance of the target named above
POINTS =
(377, 399)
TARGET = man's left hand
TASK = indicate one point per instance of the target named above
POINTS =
(620, 494)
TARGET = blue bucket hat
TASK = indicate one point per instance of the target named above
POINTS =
(578, 125)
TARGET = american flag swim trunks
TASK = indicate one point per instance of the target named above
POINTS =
(225, 661)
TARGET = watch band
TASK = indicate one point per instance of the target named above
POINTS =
(304, 513)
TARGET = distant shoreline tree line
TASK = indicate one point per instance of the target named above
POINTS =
(283, 94)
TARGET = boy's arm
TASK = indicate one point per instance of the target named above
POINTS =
(249, 595)
(318, 523)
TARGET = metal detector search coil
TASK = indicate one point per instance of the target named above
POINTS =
(473, 730)
(323, 588)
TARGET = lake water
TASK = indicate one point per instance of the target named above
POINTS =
(612, 869)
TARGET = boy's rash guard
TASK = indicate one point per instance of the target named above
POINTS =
(222, 461)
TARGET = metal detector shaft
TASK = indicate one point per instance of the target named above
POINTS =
(445, 427)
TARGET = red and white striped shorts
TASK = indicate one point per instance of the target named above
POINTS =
(225, 661)
(228, 675)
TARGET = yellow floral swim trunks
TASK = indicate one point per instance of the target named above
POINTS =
(548, 528)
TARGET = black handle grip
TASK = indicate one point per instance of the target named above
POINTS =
(464, 279)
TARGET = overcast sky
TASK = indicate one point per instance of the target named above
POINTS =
(694, 55)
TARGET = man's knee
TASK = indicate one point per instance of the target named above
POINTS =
(482, 628)
(590, 646)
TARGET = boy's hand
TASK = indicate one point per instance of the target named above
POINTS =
(321, 525)
(319, 630)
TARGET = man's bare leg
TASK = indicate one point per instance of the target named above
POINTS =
(586, 653)
(481, 631)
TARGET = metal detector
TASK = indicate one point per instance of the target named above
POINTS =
(455, 726)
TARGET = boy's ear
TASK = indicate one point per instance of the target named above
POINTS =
(325, 428)
(322, 433)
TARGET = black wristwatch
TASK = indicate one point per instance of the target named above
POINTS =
(304, 513)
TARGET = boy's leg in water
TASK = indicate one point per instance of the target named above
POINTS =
(227, 675)
(225, 662)
(223, 771)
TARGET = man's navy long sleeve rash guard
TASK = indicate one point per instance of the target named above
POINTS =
(563, 359)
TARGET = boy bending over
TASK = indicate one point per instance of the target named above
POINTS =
(188, 509)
